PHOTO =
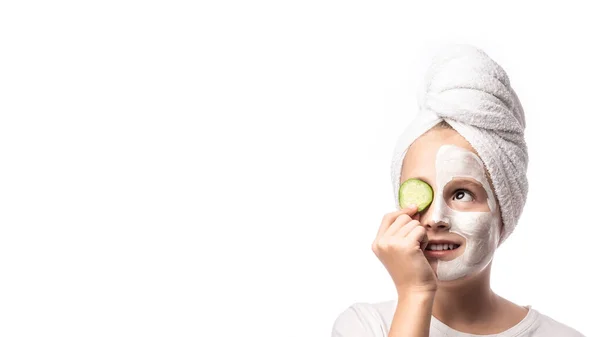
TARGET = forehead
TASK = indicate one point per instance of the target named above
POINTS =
(420, 158)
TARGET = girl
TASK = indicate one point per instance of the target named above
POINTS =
(467, 143)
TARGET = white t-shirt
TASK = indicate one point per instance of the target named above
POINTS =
(374, 320)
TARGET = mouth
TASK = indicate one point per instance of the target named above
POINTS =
(439, 249)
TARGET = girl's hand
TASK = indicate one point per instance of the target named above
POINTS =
(399, 246)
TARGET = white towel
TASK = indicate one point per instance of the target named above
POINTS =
(472, 93)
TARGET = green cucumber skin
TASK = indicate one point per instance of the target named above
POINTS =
(422, 199)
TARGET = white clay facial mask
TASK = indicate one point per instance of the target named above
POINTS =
(481, 229)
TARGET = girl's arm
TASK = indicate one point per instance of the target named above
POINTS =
(399, 245)
(413, 315)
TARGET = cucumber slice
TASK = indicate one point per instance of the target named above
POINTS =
(415, 192)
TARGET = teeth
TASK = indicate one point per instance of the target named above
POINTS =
(442, 246)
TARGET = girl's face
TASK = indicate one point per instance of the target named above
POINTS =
(464, 210)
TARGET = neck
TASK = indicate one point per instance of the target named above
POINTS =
(466, 301)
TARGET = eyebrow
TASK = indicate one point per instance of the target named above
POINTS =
(466, 181)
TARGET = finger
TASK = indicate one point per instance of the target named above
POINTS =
(418, 234)
(403, 224)
(408, 228)
(425, 241)
(400, 222)
(389, 218)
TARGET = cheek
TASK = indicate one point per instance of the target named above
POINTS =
(474, 206)
(479, 226)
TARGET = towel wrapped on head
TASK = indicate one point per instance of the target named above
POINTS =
(472, 93)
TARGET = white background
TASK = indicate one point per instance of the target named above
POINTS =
(220, 168)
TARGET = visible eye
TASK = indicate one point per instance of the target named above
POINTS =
(463, 196)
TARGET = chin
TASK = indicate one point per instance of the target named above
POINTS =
(450, 276)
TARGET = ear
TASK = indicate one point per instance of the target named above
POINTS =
(502, 229)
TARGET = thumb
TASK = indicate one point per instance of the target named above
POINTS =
(424, 242)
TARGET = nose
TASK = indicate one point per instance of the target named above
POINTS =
(436, 226)
(427, 220)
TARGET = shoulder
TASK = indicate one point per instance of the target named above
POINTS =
(548, 326)
(364, 319)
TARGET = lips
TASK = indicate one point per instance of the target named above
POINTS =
(441, 248)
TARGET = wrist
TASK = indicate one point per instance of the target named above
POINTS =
(417, 293)
(413, 313)
(419, 302)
